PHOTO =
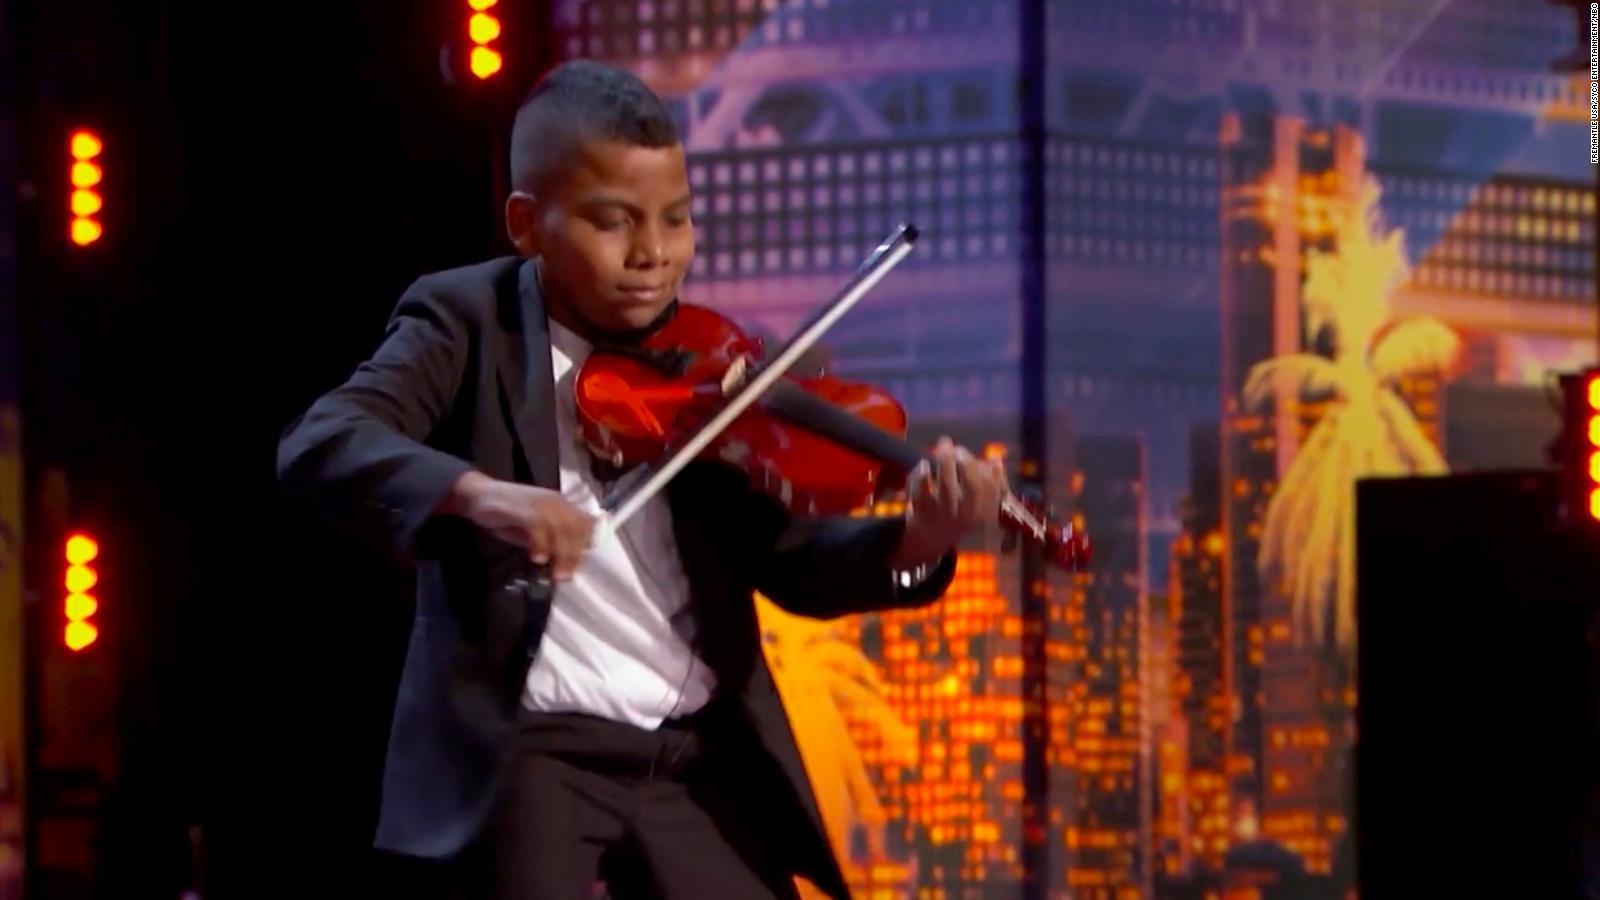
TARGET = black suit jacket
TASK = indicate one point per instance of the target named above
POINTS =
(463, 381)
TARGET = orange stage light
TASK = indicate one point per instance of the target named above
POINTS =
(86, 231)
(81, 607)
(86, 174)
(86, 145)
(483, 28)
(486, 62)
(86, 203)
(79, 635)
(80, 579)
(80, 550)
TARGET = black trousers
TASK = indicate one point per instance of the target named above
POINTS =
(696, 809)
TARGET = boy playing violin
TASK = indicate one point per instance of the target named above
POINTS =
(622, 724)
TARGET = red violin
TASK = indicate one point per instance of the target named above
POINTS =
(820, 445)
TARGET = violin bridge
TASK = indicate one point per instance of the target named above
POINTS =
(735, 376)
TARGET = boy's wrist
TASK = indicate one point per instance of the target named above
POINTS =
(918, 548)
(464, 494)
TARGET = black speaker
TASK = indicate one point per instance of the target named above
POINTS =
(1479, 714)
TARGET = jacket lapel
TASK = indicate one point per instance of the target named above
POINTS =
(516, 612)
(526, 379)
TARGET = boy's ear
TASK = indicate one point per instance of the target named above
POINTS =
(522, 218)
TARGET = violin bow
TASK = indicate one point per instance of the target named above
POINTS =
(638, 487)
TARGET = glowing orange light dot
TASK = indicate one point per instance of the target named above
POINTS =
(80, 579)
(1594, 431)
(1594, 393)
(86, 231)
(86, 145)
(86, 203)
(481, 5)
(485, 62)
(82, 549)
(81, 606)
(1594, 466)
(483, 28)
(80, 635)
(1594, 504)
(86, 174)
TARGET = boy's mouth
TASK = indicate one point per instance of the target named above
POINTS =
(644, 294)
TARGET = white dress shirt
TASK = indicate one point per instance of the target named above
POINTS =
(617, 641)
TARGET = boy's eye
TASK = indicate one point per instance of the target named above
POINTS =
(612, 223)
(677, 220)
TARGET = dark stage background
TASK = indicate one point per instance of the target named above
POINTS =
(275, 177)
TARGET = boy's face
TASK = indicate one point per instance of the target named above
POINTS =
(613, 231)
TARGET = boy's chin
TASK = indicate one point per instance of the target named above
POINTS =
(631, 317)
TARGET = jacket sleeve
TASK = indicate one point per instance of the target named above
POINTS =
(357, 456)
(832, 566)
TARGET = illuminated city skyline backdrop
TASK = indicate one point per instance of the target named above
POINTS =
(1206, 163)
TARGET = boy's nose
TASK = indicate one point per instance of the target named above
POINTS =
(649, 250)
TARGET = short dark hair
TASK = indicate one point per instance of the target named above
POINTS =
(578, 101)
